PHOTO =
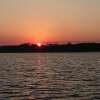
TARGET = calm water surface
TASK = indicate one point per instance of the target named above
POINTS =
(50, 76)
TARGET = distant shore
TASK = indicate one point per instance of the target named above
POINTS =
(79, 47)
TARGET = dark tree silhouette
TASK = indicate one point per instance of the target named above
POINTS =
(69, 47)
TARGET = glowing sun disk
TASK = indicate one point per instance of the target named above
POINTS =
(39, 44)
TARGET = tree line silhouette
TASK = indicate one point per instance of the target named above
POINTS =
(69, 47)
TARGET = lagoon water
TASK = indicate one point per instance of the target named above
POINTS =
(50, 76)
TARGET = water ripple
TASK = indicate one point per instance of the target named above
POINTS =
(54, 76)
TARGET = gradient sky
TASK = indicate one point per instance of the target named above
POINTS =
(49, 21)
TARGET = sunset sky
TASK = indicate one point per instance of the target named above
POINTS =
(49, 21)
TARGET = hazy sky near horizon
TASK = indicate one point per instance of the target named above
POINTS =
(49, 21)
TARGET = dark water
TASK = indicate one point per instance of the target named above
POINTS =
(50, 76)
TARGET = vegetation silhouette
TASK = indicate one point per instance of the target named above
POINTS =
(69, 47)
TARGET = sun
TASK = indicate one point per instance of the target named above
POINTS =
(39, 44)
